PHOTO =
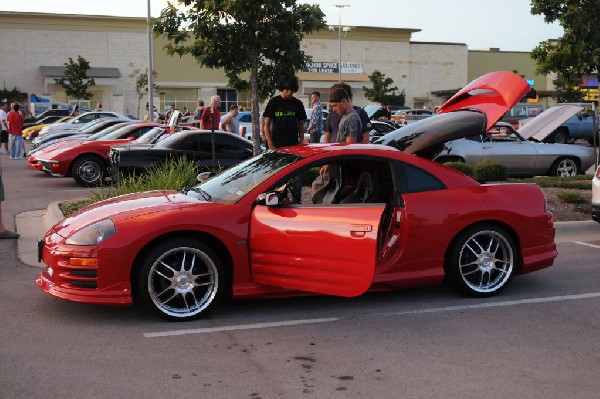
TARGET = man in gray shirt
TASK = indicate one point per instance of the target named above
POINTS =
(350, 125)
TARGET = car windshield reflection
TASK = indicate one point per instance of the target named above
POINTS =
(233, 184)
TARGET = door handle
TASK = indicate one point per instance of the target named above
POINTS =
(360, 228)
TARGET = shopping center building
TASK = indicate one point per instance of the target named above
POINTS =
(34, 48)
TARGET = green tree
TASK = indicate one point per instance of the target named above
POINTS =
(577, 52)
(141, 83)
(75, 80)
(261, 38)
(383, 92)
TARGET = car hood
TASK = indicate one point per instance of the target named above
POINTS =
(493, 93)
(124, 207)
(541, 126)
(473, 110)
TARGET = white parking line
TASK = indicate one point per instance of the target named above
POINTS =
(386, 314)
(586, 244)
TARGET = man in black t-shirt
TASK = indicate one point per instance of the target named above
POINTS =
(285, 116)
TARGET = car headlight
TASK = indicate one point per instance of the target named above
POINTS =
(94, 234)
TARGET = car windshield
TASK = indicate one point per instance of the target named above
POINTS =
(86, 128)
(108, 130)
(150, 135)
(233, 184)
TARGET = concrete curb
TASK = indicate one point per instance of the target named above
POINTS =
(33, 225)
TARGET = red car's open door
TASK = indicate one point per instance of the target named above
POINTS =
(328, 250)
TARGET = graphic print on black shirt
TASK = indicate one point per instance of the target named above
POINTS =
(285, 115)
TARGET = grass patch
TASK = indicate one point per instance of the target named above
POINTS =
(571, 197)
(579, 182)
(170, 175)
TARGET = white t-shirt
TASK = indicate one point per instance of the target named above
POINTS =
(3, 125)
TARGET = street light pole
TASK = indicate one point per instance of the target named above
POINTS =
(340, 7)
(150, 71)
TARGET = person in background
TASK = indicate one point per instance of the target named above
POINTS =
(231, 123)
(98, 106)
(284, 124)
(3, 127)
(315, 127)
(198, 113)
(350, 126)
(212, 114)
(185, 112)
(333, 119)
(15, 132)
(285, 116)
(169, 112)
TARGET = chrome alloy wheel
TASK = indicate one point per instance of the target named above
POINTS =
(486, 261)
(183, 282)
(566, 167)
(89, 171)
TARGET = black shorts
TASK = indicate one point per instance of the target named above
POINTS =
(4, 136)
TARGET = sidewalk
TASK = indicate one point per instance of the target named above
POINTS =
(33, 225)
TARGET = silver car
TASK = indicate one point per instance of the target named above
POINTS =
(523, 152)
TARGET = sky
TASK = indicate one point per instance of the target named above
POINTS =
(480, 24)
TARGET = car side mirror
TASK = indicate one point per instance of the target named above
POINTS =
(268, 199)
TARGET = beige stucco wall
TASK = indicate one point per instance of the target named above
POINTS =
(29, 40)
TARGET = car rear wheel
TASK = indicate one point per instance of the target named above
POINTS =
(89, 171)
(482, 260)
(181, 279)
(560, 136)
(564, 167)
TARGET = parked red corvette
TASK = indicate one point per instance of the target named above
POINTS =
(86, 160)
(384, 219)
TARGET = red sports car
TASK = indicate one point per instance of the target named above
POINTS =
(382, 219)
(87, 160)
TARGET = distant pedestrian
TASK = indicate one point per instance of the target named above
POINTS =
(198, 113)
(169, 113)
(185, 112)
(231, 123)
(350, 125)
(315, 127)
(98, 106)
(211, 116)
(15, 132)
(3, 127)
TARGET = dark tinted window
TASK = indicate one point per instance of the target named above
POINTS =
(413, 179)
(246, 118)
(228, 145)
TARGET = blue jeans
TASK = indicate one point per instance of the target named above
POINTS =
(315, 137)
(15, 145)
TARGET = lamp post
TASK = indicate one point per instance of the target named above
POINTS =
(346, 29)
(150, 71)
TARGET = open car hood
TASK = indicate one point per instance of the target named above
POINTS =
(473, 110)
(493, 93)
(541, 126)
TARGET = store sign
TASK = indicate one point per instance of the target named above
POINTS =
(332, 67)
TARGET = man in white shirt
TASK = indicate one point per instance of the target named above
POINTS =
(3, 127)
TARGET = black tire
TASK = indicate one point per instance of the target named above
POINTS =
(482, 260)
(89, 170)
(181, 279)
(564, 166)
(560, 136)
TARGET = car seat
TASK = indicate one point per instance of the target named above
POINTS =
(331, 191)
(364, 192)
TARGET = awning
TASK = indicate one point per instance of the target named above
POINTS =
(35, 99)
(99, 72)
(103, 76)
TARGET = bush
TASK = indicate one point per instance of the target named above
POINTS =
(461, 167)
(571, 197)
(170, 175)
(490, 171)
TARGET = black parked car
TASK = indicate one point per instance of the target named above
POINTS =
(195, 145)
